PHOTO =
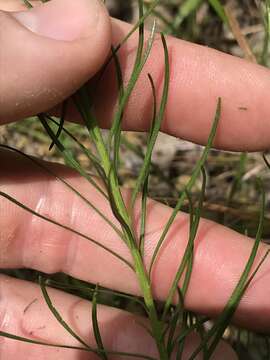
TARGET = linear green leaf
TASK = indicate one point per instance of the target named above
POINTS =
(143, 217)
(67, 155)
(135, 27)
(190, 330)
(31, 211)
(132, 82)
(101, 350)
(57, 315)
(217, 6)
(215, 334)
(174, 321)
(240, 171)
(115, 131)
(155, 126)
(86, 289)
(82, 102)
(266, 44)
(61, 346)
(93, 159)
(220, 332)
(28, 4)
(145, 185)
(186, 263)
(83, 106)
(190, 184)
(69, 186)
(62, 121)
(36, 342)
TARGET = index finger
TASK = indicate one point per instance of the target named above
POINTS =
(199, 76)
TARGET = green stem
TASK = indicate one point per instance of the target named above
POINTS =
(96, 136)
(156, 324)
(126, 222)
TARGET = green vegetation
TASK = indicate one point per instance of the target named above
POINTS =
(170, 323)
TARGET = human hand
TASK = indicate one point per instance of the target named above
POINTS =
(37, 73)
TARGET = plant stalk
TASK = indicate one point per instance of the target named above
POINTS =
(156, 324)
(143, 278)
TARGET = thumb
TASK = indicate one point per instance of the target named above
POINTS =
(48, 52)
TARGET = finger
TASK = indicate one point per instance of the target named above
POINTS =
(24, 313)
(13, 5)
(48, 52)
(220, 254)
(198, 77)
(18, 5)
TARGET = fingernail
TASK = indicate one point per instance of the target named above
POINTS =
(66, 20)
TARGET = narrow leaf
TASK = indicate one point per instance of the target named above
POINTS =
(57, 315)
(62, 121)
(215, 334)
(31, 211)
(67, 155)
(155, 128)
(101, 350)
(217, 6)
(190, 184)
(187, 261)
(69, 186)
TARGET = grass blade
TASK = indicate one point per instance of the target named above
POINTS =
(45, 168)
(86, 289)
(181, 344)
(143, 217)
(36, 342)
(83, 106)
(57, 315)
(221, 330)
(145, 185)
(159, 15)
(121, 91)
(67, 155)
(181, 337)
(61, 346)
(82, 102)
(174, 322)
(190, 184)
(187, 261)
(155, 126)
(141, 36)
(266, 161)
(101, 350)
(115, 131)
(28, 4)
(217, 6)
(133, 80)
(215, 334)
(62, 121)
(116, 209)
(31, 211)
(91, 157)
(135, 27)
(240, 171)
(30, 341)
(266, 44)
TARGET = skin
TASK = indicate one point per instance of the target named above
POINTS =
(51, 67)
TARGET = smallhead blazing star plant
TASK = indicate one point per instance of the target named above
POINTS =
(168, 323)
